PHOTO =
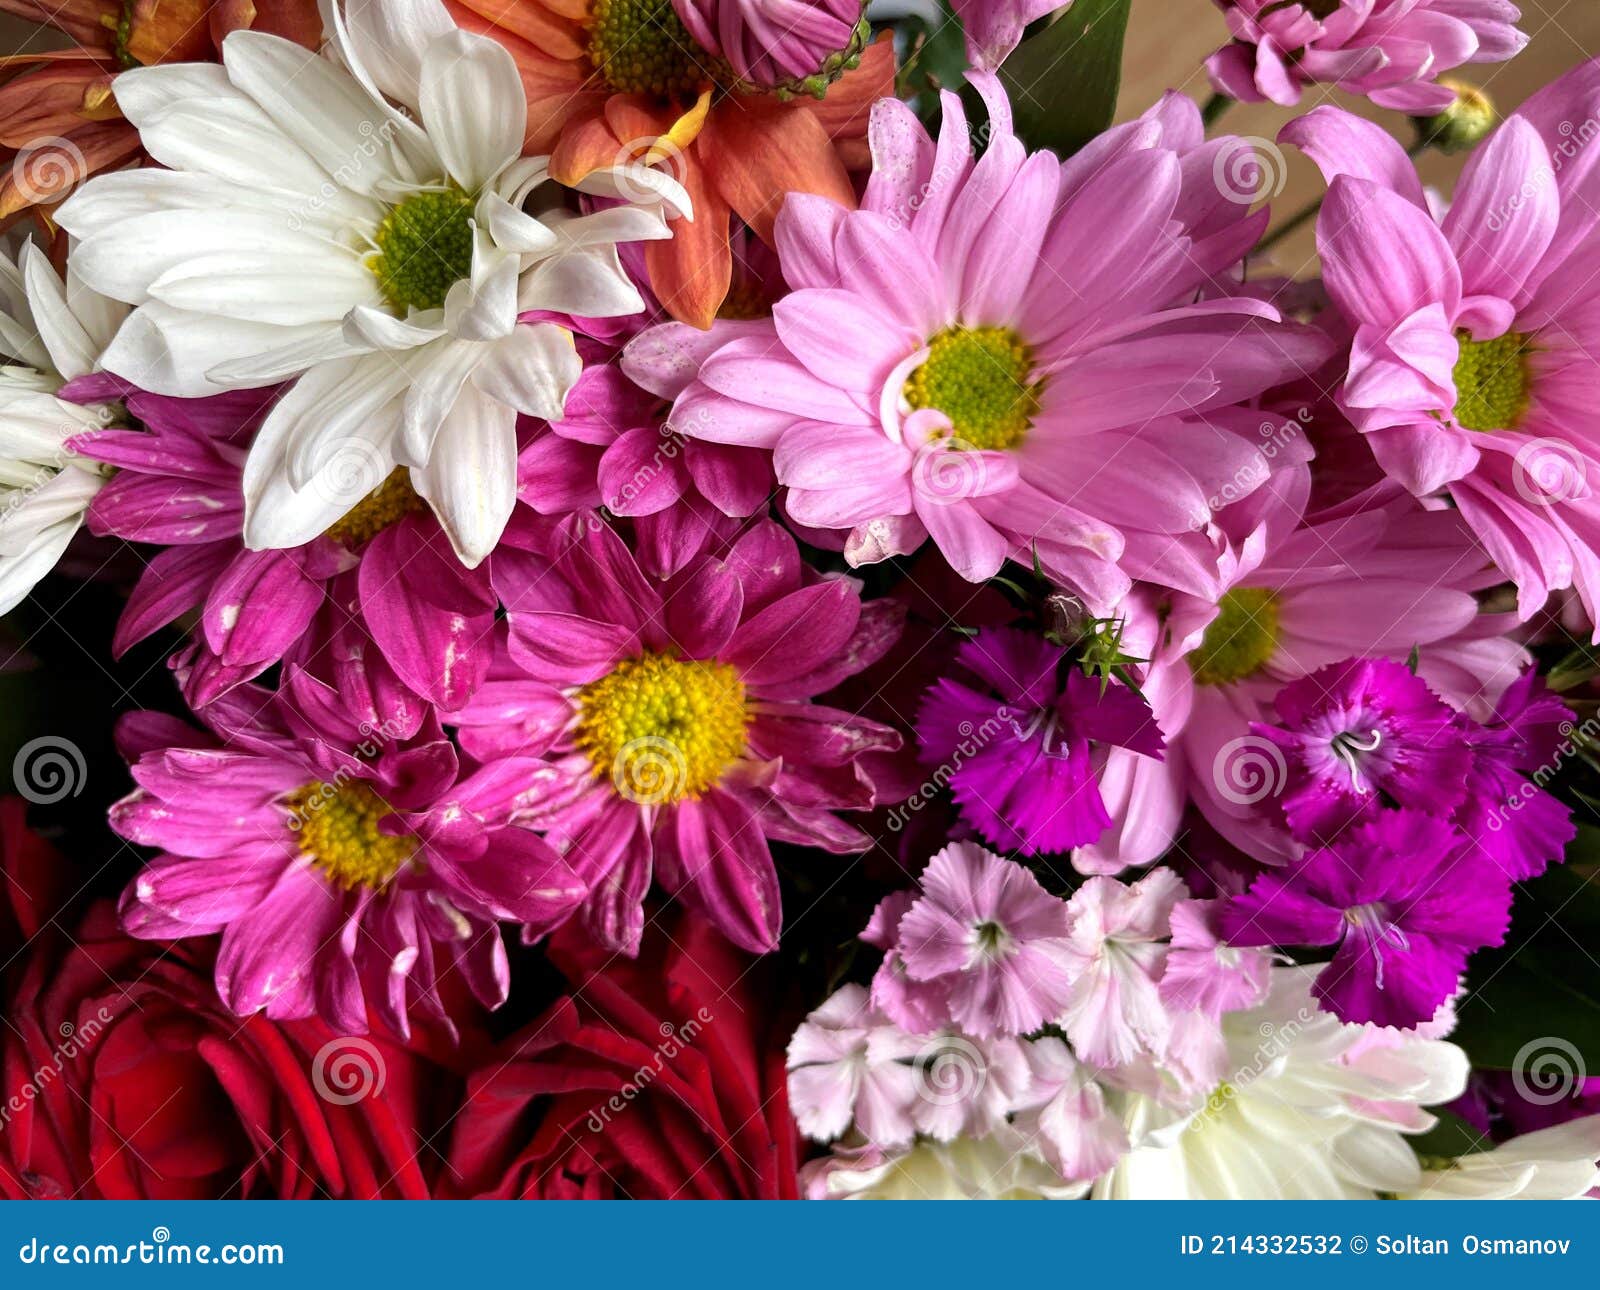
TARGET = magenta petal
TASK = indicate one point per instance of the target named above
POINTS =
(717, 860)
(262, 603)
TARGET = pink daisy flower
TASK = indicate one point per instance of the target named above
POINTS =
(338, 850)
(1391, 51)
(985, 930)
(179, 485)
(1472, 371)
(667, 728)
(1047, 385)
(994, 27)
(798, 45)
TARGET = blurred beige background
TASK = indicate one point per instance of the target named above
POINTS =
(1168, 41)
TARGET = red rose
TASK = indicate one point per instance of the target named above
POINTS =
(122, 1076)
(655, 1079)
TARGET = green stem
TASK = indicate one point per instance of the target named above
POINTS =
(1215, 107)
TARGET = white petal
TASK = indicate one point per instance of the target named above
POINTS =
(106, 201)
(533, 370)
(142, 92)
(72, 353)
(617, 224)
(590, 283)
(373, 328)
(471, 476)
(19, 575)
(62, 496)
(319, 106)
(473, 106)
(436, 380)
(271, 287)
(278, 516)
(639, 183)
(484, 307)
(172, 351)
(333, 404)
(383, 41)
(513, 229)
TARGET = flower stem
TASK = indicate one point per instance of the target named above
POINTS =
(1214, 109)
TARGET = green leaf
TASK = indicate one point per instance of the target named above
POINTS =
(1450, 1138)
(1063, 82)
(1536, 999)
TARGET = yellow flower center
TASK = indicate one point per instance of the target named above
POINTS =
(978, 377)
(424, 247)
(388, 503)
(663, 728)
(1240, 639)
(641, 47)
(1491, 379)
(336, 826)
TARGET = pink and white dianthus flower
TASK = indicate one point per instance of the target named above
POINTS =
(667, 727)
(1041, 378)
(1472, 372)
(179, 485)
(1391, 51)
(338, 849)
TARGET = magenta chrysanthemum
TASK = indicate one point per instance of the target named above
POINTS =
(666, 729)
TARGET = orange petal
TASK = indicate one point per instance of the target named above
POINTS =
(645, 122)
(550, 33)
(49, 172)
(296, 20)
(760, 155)
(585, 146)
(690, 272)
(169, 31)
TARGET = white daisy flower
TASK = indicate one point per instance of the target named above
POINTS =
(366, 223)
(50, 332)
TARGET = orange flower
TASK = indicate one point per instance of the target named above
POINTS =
(614, 79)
(59, 121)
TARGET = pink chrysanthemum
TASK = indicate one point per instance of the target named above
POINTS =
(179, 485)
(1043, 382)
(667, 728)
(337, 848)
(1392, 51)
(1473, 369)
(799, 45)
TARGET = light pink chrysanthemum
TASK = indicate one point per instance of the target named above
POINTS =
(1044, 382)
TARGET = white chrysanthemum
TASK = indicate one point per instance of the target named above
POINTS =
(368, 224)
(1315, 1110)
(997, 1167)
(52, 331)
(1557, 1163)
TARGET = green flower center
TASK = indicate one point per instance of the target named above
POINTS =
(424, 247)
(978, 377)
(1240, 639)
(388, 503)
(1491, 379)
(641, 47)
(663, 728)
(336, 825)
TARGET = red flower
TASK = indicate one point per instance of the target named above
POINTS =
(657, 1078)
(122, 1077)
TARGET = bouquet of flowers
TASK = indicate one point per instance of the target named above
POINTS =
(749, 598)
